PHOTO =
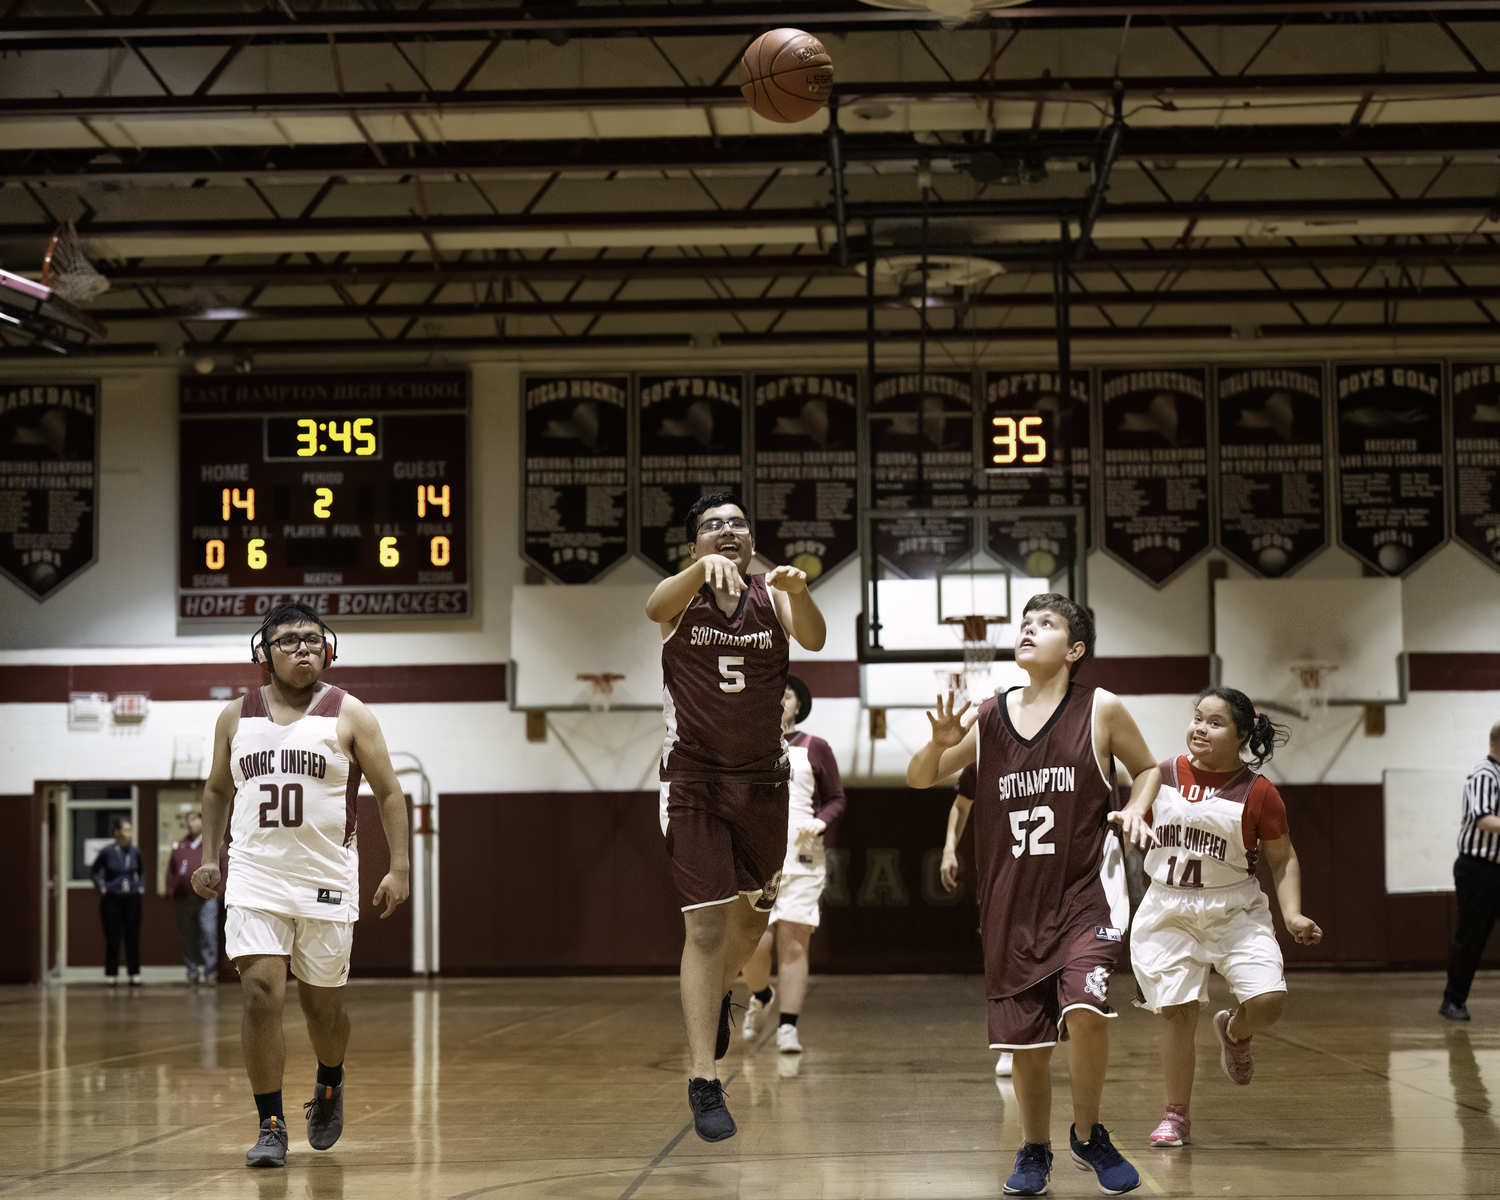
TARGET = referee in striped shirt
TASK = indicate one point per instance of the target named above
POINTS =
(1476, 875)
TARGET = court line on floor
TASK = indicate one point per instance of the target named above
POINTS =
(86, 1162)
(1386, 1075)
(99, 1062)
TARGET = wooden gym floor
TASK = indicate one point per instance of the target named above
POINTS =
(515, 1089)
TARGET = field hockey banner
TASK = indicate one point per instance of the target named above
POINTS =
(49, 473)
(1476, 458)
(1272, 474)
(1392, 479)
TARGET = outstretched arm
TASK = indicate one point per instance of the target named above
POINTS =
(218, 795)
(1286, 876)
(797, 610)
(368, 744)
(951, 748)
(1123, 740)
(674, 594)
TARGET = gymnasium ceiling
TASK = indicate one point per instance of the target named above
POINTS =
(407, 174)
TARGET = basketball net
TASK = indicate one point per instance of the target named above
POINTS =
(971, 680)
(68, 272)
(603, 690)
(1310, 675)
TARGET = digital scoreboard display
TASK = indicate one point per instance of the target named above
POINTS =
(345, 492)
(1019, 440)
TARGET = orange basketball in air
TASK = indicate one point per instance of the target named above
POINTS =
(786, 75)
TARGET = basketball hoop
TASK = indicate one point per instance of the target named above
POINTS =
(68, 272)
(603, 689)
(1310, 674)
(979, 656)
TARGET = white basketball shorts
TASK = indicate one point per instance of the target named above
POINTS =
(798, 899)
(1179, 933)
(319, 950)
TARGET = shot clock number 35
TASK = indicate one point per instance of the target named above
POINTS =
(360, 512)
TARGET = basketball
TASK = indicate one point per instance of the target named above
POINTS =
(786, 75)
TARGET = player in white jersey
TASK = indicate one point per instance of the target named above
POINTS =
(816, 800)
(1212, 818)
(288, 756)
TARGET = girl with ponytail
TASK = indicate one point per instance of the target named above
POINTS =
(1213, 818)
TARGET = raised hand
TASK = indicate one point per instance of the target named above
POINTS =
(947, 725)
(1304, 930)
(721, 574)
(1133, 825)
(787, 579)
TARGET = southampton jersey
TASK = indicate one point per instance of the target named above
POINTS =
(1051, 872)
(723, 679)
(292, 849)
(1210, 826)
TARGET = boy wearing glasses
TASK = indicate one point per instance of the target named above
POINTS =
(290, 755)
(724, 766)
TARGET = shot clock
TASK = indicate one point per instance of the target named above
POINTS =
(345, 492)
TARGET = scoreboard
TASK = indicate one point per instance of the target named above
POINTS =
(346, 492)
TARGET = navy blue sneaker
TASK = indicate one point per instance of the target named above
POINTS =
(1033, 1167)
(1112, 1173)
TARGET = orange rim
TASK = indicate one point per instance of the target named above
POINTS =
(47, 262)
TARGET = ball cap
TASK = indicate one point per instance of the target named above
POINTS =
(804, 697)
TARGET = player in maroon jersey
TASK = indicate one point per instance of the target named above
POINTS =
(1053, 904)
(724, 766)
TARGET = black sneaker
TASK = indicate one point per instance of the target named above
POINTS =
(270, 1150)
(1452, 1011)
(325, 1116)
(721, 1043)
(711, 1119)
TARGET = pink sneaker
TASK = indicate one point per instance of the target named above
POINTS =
(1234, 1056)
(1173, 1130)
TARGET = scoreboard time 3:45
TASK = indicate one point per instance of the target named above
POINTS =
(345, 492)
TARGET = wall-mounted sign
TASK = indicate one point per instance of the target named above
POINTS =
(918, 546)
(576, 447)
(49, 470)
(346, 492)
(1476, 458)
(1155, 456)
(922, 439)
(1271, 515)
(806, 469)
(1389, 446)
(691, 441)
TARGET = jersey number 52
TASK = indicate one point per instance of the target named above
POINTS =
(289, 798)
(1043, 816)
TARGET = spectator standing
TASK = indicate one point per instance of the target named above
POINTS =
(197, 918)
(1476, 878)
(118, 878)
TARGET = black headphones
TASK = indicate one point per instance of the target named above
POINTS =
(260, 656)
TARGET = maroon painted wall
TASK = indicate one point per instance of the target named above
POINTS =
(21, 889)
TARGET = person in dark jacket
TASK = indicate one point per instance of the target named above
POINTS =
(119, 880)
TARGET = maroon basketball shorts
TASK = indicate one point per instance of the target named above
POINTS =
(725, 839)
(1035, 1016)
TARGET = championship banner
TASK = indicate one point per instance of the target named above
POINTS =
(922, 440)
(1476, 458)
(806, 470)
(49, 471)
(576, 447)
(1272, 467)
(691, 444)
(917, 546)
(1389, 445)
(1155, 456)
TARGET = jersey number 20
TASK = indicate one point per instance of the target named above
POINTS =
(287, 797)
(1042, 815)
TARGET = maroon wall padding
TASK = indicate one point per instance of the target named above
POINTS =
(21, 889)
(1454, 672)
(382, 946)
(1164, 675)
(831, 680)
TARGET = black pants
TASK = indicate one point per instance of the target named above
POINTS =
(122, 915)
(1477, 881)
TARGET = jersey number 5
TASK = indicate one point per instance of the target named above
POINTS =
(1042, 815)
(734, 681)
(286, 797)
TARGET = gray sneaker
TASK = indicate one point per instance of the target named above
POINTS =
(270, 1150)
(325, 1116)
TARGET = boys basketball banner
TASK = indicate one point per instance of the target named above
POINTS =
(1155, 454)
(1389, 444)
(916, 546)
(1038, 548)
(1476, 458)
(49, 471)
(691, 443)
(576, 448)
(1270, 454)
(922, 440)
(807, 469)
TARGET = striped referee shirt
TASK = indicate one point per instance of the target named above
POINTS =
(1481, 799)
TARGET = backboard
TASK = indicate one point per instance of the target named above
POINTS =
(560, 633)
(1265, 629)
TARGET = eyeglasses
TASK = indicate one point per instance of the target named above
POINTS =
(289, 643)
(734, 525)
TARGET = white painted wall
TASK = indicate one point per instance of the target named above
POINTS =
(122, 611)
